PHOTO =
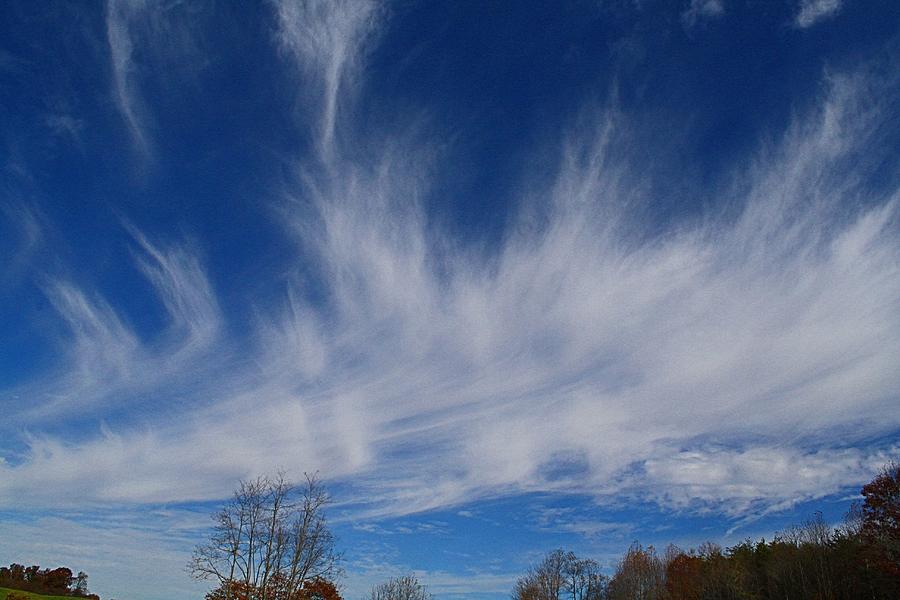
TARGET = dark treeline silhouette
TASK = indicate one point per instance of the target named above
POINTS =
(858, 560)
(55, 582)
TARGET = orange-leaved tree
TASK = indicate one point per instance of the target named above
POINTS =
(881, 518)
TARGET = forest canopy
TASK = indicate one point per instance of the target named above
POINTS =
(812, 561)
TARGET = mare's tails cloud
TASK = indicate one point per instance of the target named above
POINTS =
(532, 273)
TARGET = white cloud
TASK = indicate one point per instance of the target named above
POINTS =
(119, 14)
(105, 363)
(326, 39)
(150, 38)
(737, 479)
(582, 354)
(101, 346)
(700, 10)
(815, 11)
(179, 279)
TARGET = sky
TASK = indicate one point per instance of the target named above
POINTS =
(510, 276)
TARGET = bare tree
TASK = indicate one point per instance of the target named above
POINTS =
(406, 587)
(543, 581)
(561, 576)
(268, 540)
(584, 581)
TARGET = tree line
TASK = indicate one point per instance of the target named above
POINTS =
(860, 559)
(271, 541)
(56, 582)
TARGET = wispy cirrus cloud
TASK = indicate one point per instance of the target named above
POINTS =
(584, 352)
(105, 360)
(119, 15)
(149, 38)
(712, 474)
(326, 41)
(700, 10)
(179, 279)
(101, 346)
(814, 11)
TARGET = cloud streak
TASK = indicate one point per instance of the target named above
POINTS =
(105, 362)
(119, 17)
(581, 353)
(814, 11)
(326, 41)
(149, 40)
(700, 10)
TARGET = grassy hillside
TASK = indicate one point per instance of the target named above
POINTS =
(4, 592)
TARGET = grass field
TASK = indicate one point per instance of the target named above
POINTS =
(4, 592)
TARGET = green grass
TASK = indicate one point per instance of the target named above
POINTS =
(4, 592)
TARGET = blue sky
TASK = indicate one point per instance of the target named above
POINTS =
(510, 276)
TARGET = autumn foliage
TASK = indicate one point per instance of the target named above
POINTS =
(880, 514)
(314, 589)
(56, 582)
(812, 561)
